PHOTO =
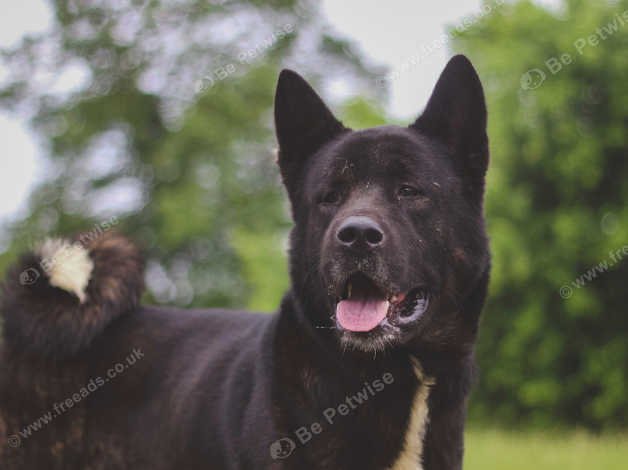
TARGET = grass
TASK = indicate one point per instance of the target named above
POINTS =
(503, 450)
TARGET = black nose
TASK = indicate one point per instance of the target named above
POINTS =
(360, 231)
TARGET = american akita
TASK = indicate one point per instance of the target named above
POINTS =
(366, 365)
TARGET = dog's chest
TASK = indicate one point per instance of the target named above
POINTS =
(383, 432)
(412, 451)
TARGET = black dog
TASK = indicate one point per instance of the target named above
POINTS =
(367, 364)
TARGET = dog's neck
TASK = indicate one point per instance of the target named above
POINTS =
(322, 343)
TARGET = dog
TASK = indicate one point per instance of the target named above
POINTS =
(367, 364)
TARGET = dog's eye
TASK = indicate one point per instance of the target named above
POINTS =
(331, 197)
(409, 191)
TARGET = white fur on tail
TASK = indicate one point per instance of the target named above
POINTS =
(67, 264)
(412, 452)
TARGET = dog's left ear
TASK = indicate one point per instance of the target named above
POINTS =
(303, 124)
(456, 115)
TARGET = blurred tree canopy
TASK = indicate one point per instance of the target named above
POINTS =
(556, 209)
(170, 130)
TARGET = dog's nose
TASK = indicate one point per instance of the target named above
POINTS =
(360, 231)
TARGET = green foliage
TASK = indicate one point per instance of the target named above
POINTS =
(358, 113)
(556, 209)
(172, 133)
(263, 261)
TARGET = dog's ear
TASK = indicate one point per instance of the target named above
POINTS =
(456, 115)
(303, 124)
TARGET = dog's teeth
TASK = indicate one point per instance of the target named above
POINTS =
(387, 305)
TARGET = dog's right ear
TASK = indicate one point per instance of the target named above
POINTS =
(303, 124)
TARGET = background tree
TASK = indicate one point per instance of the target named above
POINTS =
(171, 132)
(556, 207)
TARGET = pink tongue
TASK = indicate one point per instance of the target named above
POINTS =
(362, 314)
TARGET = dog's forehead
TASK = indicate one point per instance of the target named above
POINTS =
(387, 150)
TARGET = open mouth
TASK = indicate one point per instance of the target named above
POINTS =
(364, 305)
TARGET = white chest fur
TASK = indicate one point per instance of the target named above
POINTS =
(412, 451)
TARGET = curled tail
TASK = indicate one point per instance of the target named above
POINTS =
(59, 297)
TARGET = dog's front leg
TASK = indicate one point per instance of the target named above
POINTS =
(444, 438)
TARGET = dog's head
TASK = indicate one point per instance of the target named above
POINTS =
(389, 240)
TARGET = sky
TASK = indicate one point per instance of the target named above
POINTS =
(405, 35)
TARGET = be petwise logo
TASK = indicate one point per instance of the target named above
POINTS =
(282, 448)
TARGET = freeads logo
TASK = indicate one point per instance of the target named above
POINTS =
(284, 447)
